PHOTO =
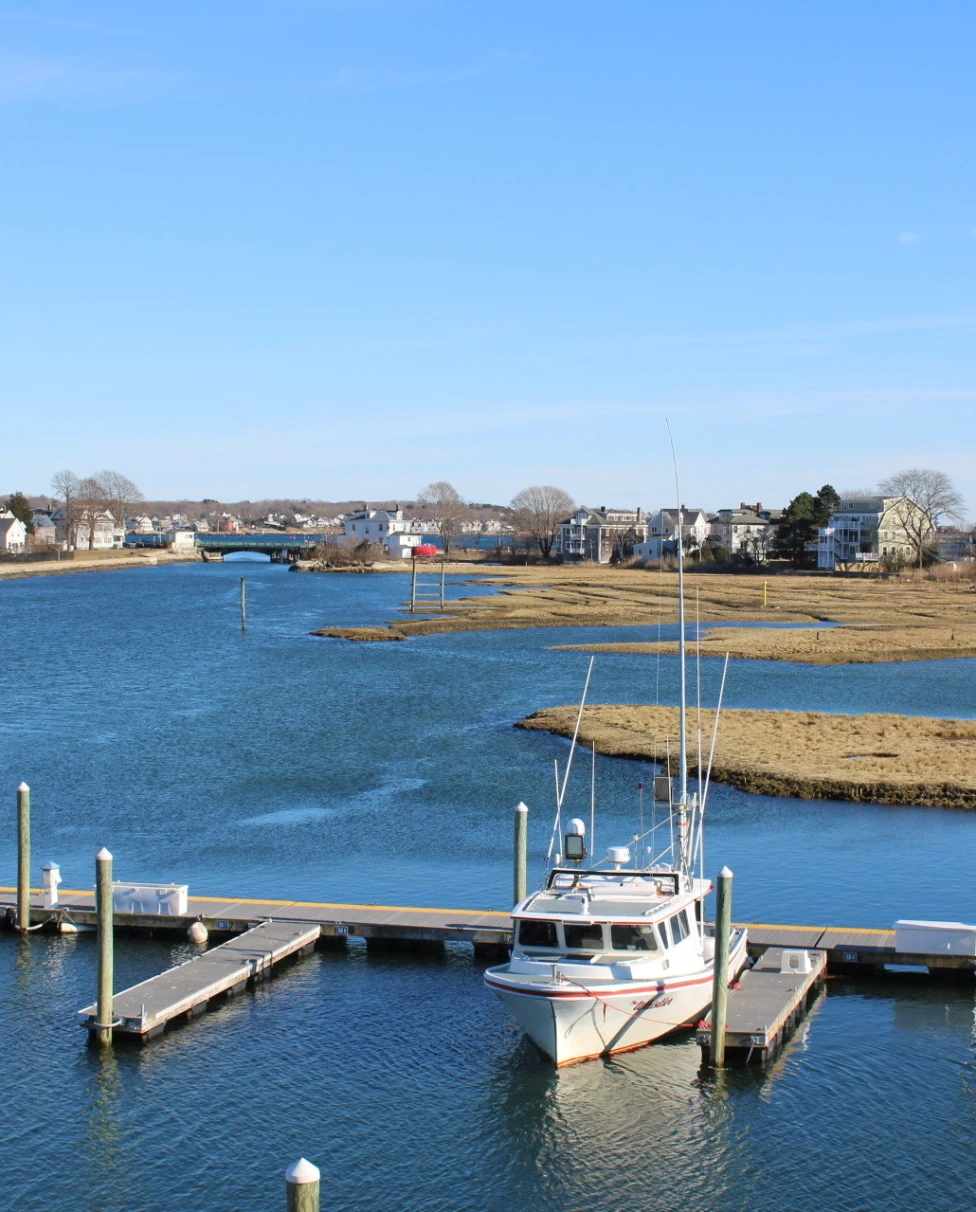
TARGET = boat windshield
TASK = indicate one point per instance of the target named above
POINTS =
(537, 934)
(633, 938)
(585, 937)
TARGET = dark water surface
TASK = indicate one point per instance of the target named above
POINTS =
(276, 764)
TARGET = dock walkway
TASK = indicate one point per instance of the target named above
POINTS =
(766, 1003)
(144, 1009)
(849, 950)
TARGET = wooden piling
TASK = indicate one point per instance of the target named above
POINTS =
(720, 976)
(413, 586)
(521, 858)
(243, 604)
(23, 857)
(104, 909)
(302, 1185)
(443, 564)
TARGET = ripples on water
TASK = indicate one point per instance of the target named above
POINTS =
(275, 764)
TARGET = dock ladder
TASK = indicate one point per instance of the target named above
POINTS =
(429, 590)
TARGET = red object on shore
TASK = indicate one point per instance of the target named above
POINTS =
(425, 549)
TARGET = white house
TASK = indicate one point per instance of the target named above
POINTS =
(746, 531)
(401, 546)
(13, 533)
(867, 530)
(661, 530)
(377, 525)
(181, 539)
(108, 533)
(600, 534)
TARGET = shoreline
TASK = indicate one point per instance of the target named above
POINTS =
(901, 760)
(45, 568)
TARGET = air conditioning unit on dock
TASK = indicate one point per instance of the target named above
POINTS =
(935, 938)
(161, 900)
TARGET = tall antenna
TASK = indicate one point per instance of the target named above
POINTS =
(683, 707)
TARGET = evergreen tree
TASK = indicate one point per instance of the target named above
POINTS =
(827, 501)
(19, 506)
(798, 529)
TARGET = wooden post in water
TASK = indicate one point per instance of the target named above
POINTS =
(104, 1008)
(442, 583)
(23, 857)
(720, 976)
(521, 863)
(302, 1184)
(243, 605)
(413, 586)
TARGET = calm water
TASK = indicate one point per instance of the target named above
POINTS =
(274, 763)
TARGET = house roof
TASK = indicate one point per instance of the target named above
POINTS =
(7, 524)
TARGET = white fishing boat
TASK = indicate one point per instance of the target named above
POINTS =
(611, 957)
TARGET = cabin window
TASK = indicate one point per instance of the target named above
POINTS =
(588, 937)
(537, 934)
(679, 927)
(633, 938)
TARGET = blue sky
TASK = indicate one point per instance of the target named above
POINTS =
(340, 248)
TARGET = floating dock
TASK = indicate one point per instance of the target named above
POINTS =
(145, 1009)
(765, 1004)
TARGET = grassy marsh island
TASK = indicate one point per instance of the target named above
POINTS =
(584, 595)
(847, 644)
(881, 759)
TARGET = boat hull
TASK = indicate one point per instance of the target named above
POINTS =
(572, 1023)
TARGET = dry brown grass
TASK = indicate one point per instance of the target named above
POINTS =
(593, 596)
(883, 759)
(846, 645)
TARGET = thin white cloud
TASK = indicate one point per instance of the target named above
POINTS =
(383, 79)
(24, 78)
(909, 237)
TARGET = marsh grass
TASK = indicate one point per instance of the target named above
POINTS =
(882, 759)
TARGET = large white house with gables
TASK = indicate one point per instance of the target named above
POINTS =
(662, 528)
(870, 530)
(600, 534)
(387, 528)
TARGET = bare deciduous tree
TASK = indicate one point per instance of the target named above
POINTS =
(928, 496)
(65, 485)
(448, 511)
(539, 510)
(92, 503)
(120, 493)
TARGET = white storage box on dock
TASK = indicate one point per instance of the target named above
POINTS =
(163, 900)
(935, 938)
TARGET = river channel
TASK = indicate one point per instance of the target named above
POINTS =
(272, 763)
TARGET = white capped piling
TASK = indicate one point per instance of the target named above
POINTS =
(302, 1185)
(720, 976)
(521, 858)
(243, 604)
(23, 857)
(104, 1009)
